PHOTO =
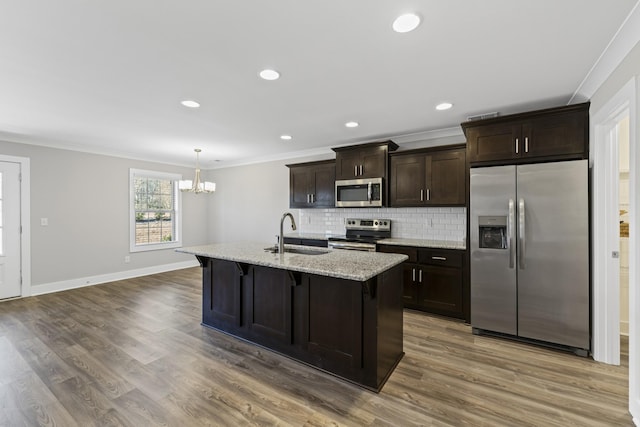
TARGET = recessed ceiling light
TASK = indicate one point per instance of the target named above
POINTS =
(269, 74)
(352, 124)
(405, 23)
(285, 137)
(190, 103)
(444, 106)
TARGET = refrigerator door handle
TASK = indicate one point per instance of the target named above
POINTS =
(510, 220)
(523, 240)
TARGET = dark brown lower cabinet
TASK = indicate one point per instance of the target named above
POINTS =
(221, 291)
(267, 302)
(334, 329)
(433, 280)
(348, 328)
(409, 284)
(442, 289)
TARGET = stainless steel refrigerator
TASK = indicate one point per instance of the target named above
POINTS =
(529, 236)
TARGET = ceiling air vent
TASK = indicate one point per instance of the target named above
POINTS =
(483, 116)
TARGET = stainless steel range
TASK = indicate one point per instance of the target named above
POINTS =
(362, 234)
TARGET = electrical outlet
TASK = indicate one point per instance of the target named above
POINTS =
(44, 222)
(127, 259)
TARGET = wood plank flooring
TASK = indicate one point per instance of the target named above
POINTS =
(133, 353)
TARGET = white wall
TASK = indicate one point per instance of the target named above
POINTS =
(249, 201)
(86, 200)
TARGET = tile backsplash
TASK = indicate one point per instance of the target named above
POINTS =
(407, 223)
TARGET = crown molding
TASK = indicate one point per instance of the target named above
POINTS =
(627, 36)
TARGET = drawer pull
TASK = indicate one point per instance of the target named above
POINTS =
(439, 258)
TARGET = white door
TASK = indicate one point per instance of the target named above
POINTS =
(10, 262)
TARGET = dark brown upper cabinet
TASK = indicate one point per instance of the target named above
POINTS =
(428, 177)
(312, 184)
(363, 161)
(552, 134)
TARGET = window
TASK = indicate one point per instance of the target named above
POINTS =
(154, 202)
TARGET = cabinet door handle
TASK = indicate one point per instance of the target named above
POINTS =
(526, 144)
(308, 200)
(355, 170)
(414, 274)
(422, 195)
(439, 258)
(361, 170)
(428, 194)
(517, 145)
(313, 198)
(420, 276)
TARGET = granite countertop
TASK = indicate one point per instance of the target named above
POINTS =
(350, 265)
(438, 244)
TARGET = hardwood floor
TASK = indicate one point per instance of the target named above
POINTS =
(133, 353)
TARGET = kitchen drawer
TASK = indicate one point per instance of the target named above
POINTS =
(446, 258)
(411, 252)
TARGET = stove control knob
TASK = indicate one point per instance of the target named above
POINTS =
(375, 223)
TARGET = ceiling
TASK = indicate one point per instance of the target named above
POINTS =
(108, 77)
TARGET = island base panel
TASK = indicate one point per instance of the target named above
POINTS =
(348, 328)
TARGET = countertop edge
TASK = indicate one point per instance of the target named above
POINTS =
(286, 264)
(392, 241)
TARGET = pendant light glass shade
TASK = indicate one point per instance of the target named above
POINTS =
(197, 186)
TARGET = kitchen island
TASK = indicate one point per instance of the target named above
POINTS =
(339, 311)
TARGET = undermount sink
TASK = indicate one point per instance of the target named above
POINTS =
(300, 251)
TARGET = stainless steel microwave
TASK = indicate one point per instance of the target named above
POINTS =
(359, 193)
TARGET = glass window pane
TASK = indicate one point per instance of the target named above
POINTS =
(153, 186)
(140, 203)
(167, 187)
(142, 233)
(166, 201)
(155, 232)
(154, 208)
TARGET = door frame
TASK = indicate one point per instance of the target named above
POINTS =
(25, 220)
(606, 289)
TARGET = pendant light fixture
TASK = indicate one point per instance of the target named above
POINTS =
(197, 186)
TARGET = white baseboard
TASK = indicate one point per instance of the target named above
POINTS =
(80, 282)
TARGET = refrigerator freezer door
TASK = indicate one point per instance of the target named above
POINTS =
(553, 275)
(493, 273)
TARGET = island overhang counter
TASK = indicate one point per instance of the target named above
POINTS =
(339, 311)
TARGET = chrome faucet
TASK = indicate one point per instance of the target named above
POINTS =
(281, 239)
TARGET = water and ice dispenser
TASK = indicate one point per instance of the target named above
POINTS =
(492, 232)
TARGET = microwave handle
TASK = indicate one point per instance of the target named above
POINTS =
(369, 192)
